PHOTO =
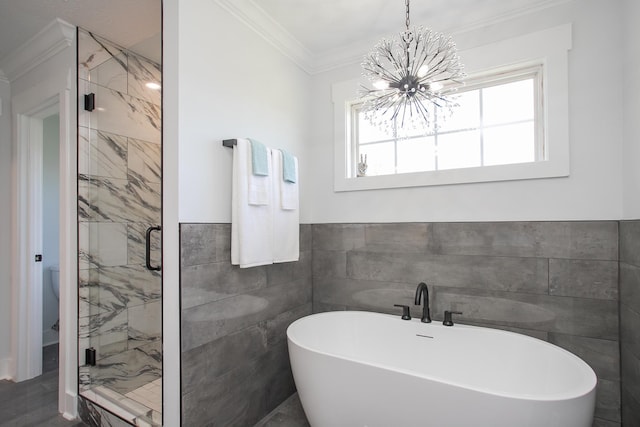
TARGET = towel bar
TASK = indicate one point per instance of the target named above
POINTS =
(229, 142)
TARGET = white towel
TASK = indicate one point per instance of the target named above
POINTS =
(286, 218)
(251, 225)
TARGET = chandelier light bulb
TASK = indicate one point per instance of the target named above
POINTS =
(381, 84)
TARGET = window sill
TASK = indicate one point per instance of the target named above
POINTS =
(520, 171)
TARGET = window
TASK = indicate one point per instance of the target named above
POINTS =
(498, 121)
(488, 139)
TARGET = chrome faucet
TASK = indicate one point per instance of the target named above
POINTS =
(422, 289)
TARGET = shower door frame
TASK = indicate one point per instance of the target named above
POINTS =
(85, 86)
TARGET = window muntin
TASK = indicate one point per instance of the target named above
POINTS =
(498, 122)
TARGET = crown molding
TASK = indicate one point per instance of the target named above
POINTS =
(255, 18)
(50, 41)
(507, 16)
(342, 56)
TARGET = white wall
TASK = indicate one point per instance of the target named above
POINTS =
(631, 83)
(232, 84)
(5, 228)
(594, 188)
(50, 222)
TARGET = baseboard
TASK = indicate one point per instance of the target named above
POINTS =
(70, 410)
(50, 337)
(70, 417)
(5, 369)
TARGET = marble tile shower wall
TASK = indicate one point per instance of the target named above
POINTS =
(630, 321)
(119, 167)
(557, 281)
(235, 363)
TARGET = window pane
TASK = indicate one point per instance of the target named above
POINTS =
(416, 155)
(459, 150)
(466, 115)
(404, 122)
(412, 132)
(369, 133)
(508, 103)
(503, 114)
(509, 144)
(380, 158)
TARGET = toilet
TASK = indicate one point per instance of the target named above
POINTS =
(54, 271)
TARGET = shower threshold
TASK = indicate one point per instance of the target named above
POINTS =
(140, 407)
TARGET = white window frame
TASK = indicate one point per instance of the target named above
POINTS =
(472, 83)
(548, 48)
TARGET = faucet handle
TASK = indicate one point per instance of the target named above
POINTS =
(448, 319)
(406, 313)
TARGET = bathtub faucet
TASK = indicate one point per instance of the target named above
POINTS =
(422, 289)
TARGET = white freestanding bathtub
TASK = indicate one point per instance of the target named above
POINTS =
(375, 370)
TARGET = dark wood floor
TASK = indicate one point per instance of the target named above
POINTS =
(34, 403)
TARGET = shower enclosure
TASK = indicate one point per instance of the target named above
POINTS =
(119, 217)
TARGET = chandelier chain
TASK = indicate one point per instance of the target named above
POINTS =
(407, 22)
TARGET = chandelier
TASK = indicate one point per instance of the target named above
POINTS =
(413, 75)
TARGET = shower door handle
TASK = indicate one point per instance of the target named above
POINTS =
(148, 248)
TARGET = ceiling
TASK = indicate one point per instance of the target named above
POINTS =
(315, 28)
(323, 26)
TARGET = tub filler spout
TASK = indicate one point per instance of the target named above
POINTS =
(423, 290)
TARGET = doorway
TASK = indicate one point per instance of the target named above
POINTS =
(31, 132)
(50, 242)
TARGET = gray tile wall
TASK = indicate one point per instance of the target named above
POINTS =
(235, 364)
(557, 281)
(630, 321)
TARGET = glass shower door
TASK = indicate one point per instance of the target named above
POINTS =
(119, 213)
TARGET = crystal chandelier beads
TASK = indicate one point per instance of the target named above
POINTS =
(411, 74)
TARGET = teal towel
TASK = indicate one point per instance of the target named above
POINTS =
(288, 167)
(259, 162)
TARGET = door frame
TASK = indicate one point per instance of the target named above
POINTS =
(28, 109)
